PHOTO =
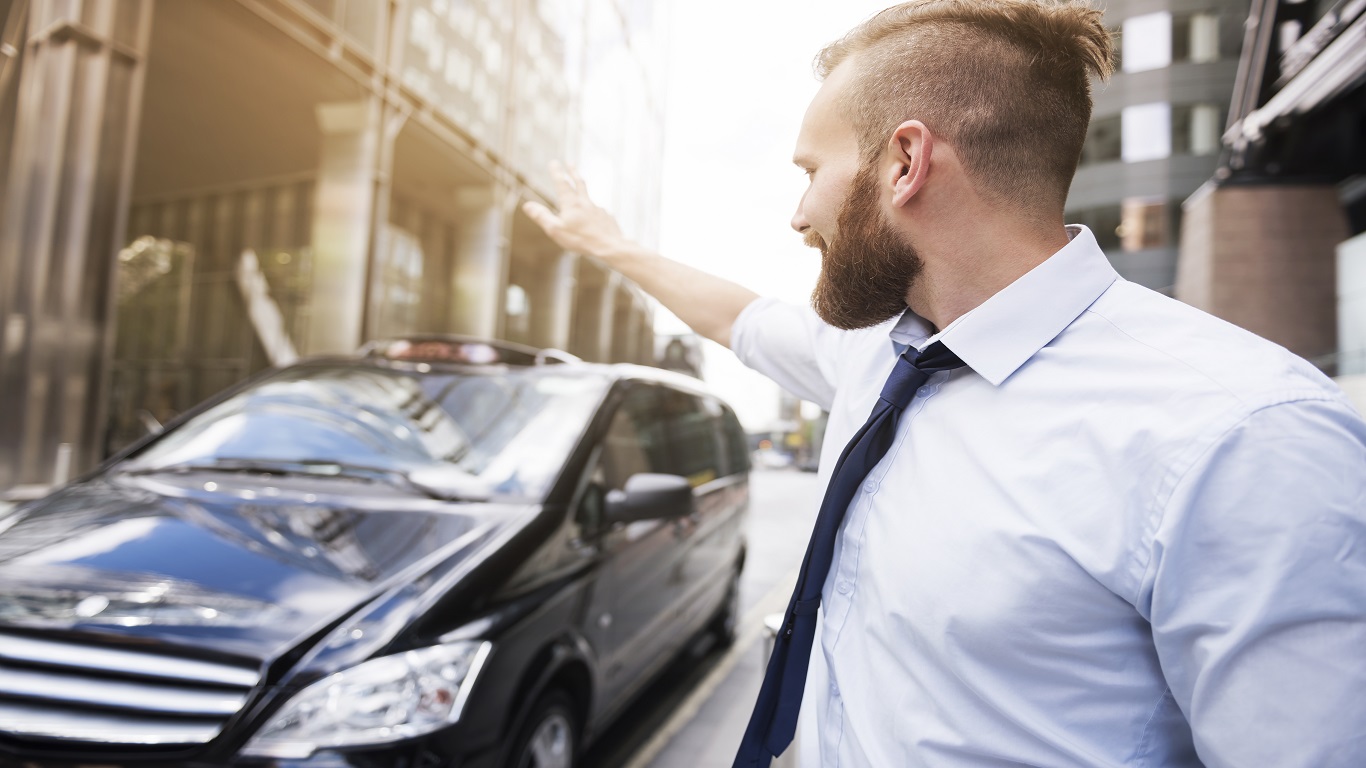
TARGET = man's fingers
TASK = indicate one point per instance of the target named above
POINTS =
(577, 181)
(539, 214)
(564, 183)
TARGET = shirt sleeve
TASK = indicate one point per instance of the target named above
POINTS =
(791, 345)
(1256, 590)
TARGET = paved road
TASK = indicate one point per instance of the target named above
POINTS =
(695, 713)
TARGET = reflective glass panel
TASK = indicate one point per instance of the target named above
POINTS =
(695, 436)
(1147, 42)
(1196, 129)
(1102, 141)
(1144, 224)
(1145, 131)
(1103, 222)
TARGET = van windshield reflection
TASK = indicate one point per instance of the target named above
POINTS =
(465, 434)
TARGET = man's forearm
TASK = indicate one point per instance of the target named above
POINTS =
(707, 303)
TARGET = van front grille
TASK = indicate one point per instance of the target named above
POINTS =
(85, 693)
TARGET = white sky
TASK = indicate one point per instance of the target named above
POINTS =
(740, 80)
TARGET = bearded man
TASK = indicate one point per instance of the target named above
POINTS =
(1085, 524)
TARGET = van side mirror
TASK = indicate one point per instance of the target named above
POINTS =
(650, 497)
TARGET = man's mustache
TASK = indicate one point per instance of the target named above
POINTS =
(814, 240)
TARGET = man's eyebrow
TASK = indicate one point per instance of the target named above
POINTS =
(802, 161)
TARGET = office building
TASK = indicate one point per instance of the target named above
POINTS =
(1155, 128)
(194, 191)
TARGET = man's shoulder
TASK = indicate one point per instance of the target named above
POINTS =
(1171, 341)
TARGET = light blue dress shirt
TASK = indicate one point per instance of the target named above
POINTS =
(1129, 534)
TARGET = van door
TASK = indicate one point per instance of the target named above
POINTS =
(637, 585)
(712, 541)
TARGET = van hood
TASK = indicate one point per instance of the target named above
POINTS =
(244, 571)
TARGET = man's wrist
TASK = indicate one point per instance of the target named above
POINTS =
(624, 253)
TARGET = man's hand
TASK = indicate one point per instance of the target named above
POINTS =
(708, 304)
(580, 226)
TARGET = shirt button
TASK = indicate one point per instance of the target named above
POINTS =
(834, 690)
(870, 486)
(843, 587)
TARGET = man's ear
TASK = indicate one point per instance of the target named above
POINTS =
(909, 150)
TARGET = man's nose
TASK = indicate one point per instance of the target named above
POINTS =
(799, 222)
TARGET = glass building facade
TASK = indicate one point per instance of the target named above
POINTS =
(195, 191)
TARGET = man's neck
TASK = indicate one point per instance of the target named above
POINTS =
(969, 265)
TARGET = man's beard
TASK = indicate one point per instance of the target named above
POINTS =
(867, 270)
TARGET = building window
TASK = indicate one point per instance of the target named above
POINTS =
(1136, 224)
(1144, 224)
(1102, 141)
(398, 291)
(1103, 222)
(1145, 132)
(517, 307)
(1146, 42)
(1154, 131)
(1195, 38)
(1196, 129)
(1157, 40)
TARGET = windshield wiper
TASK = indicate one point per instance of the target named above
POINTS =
(325, 468)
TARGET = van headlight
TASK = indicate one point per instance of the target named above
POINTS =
(382, 700)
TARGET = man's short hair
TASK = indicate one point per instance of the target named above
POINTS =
(1007, 83)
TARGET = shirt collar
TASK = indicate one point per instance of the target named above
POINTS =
(1003, 332)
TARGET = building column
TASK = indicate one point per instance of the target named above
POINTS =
(607, 317)
(481, 263)
(647, 334)
(552, 301)
(1257, 255)
(587, 299)
(341, 231)
(65, 204)
(645, 347)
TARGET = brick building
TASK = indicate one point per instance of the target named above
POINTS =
(1154, 133)
(1274, 239)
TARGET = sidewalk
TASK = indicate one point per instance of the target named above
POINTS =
(705, 729)
(711, 736)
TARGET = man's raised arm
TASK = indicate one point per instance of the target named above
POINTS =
(707, 303)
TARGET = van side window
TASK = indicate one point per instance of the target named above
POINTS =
(695, 435)
(636, 440)
(737, 443)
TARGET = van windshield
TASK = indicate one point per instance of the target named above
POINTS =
(501, 431)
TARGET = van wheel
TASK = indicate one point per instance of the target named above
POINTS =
(550, 738)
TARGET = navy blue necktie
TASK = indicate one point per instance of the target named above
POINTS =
(774, 721)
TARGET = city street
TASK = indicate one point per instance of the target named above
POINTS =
(438, 383)
(695, 714)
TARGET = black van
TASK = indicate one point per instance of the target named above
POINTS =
(438, 553)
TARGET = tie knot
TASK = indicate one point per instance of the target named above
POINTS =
(910, 374)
